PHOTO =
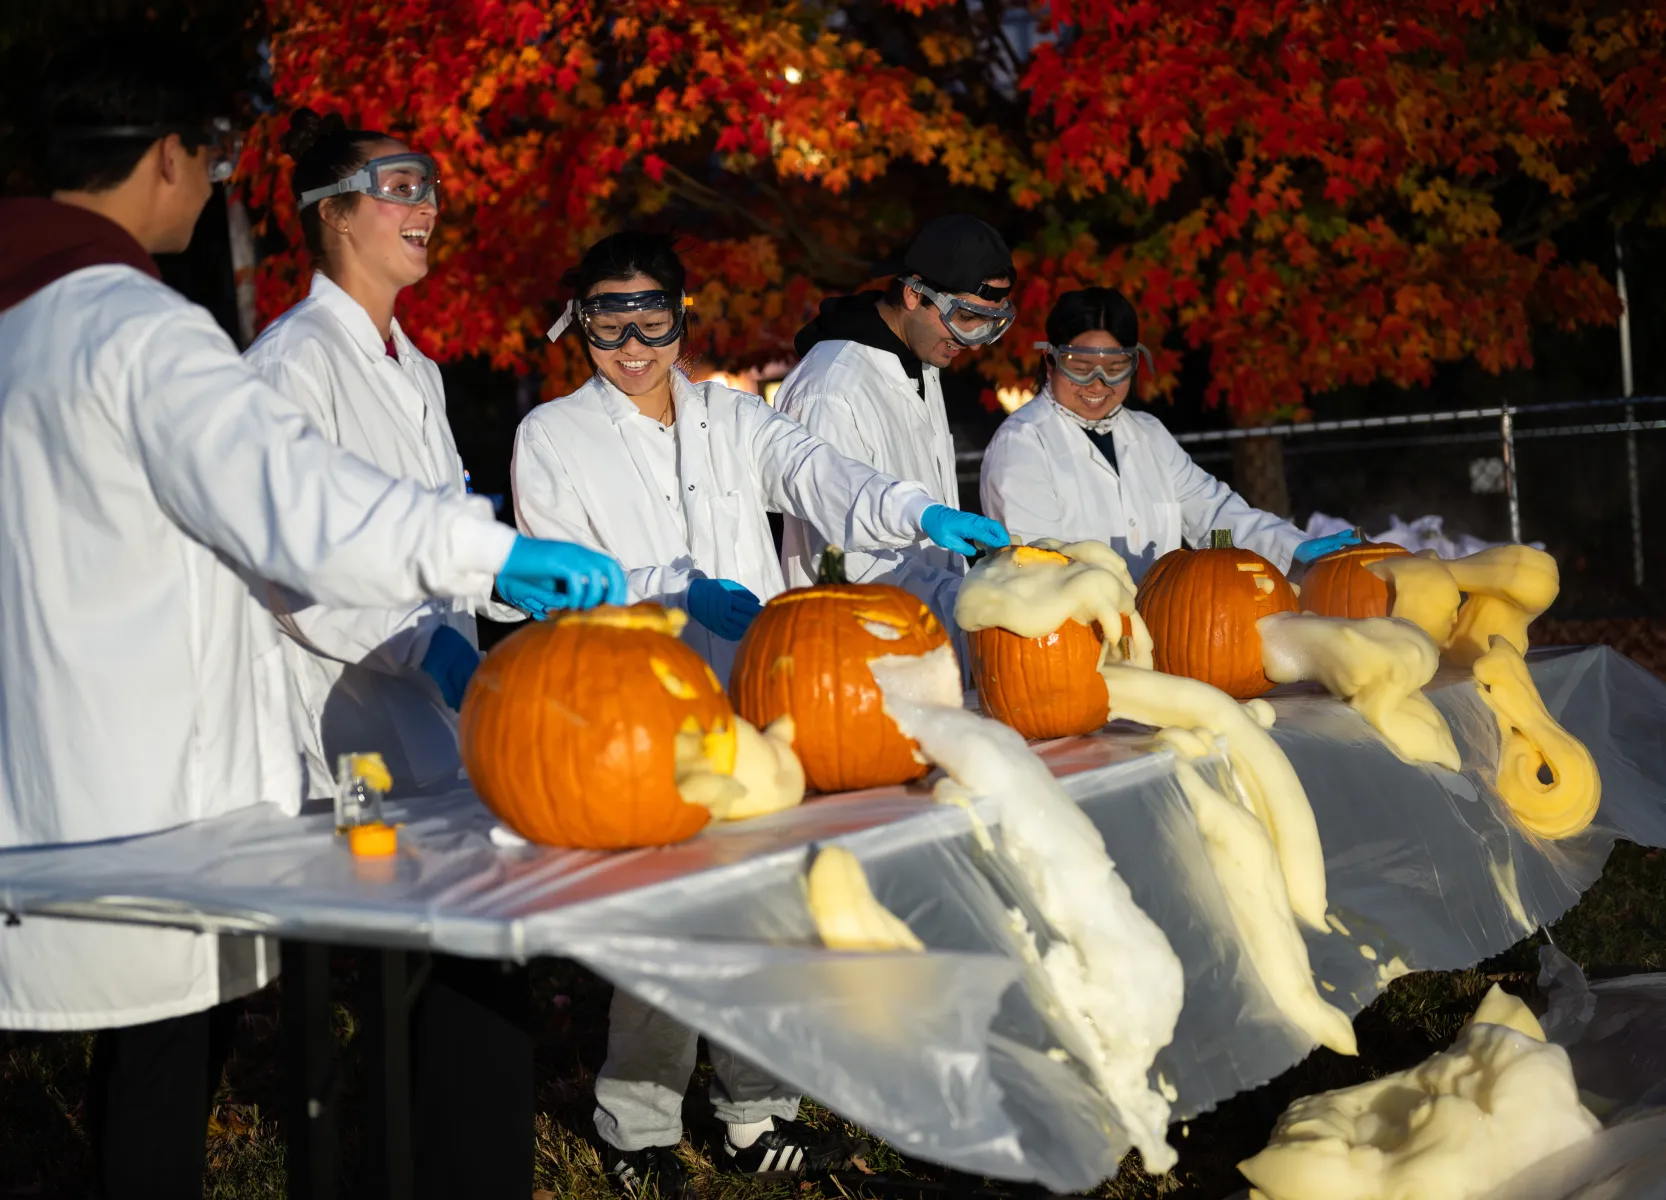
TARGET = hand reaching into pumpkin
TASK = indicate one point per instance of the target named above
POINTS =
(1318, 547)
(539, 577)
(955, 530)
(722, 606)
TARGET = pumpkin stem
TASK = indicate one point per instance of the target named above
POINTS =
(832, 567)
(1220, 539)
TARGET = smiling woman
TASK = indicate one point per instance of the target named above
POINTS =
(1078, 465)
(386, 680)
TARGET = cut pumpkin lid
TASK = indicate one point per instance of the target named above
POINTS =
(650, 617)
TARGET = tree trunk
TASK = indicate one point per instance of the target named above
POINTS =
(1258, 470)
(242, 266)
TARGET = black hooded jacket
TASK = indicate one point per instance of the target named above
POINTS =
(856, 319)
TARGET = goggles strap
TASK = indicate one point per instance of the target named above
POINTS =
(564, 320)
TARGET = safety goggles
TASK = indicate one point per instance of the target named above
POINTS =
(408, 179)
(610, 319)
(1110, 365)
(221, 136)
(970, 322)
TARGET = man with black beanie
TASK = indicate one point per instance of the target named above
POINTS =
(868, 382)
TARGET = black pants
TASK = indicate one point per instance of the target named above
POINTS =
(148, 1099)
(471, 1082)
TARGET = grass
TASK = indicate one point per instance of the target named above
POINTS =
(1618, 927)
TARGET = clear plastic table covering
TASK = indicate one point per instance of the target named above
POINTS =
(947, 1054)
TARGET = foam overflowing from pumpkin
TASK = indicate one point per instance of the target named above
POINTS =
(1377, 664)
(845, 912)
(1504, 589)
(1531, 744)
(1246, 864)
(1458, 1125)
(739, 772)
(1422, 591)
(1033, 590)
(1267, 782)
(1112, 972)
(1507, 587)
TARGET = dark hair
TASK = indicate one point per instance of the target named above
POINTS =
(1075, 313)
(140, 79)
(622, 255)
(325, 151)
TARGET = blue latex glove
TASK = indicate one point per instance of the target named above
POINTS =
(955, 530)
(722, 606)
(539, 576)
(1319, 547)
(450, 662)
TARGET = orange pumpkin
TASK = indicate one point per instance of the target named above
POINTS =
(1044, 687)
(807, 654)
(570, 729)
(1047, 686)
(1201, 607)
(1338, 585)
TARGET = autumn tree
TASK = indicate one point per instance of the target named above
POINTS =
(1307, 195)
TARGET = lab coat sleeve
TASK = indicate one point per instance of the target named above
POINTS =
(383, 639)
(831, 418)
(241, 469)
(1206, 503)
(1017, 486)
(547, 506)
(843, 498)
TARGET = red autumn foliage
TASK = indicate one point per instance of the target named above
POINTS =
(1311, 194)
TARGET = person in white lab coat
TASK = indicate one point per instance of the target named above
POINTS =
(390, 679)
(1077, 464)
(146, 476)
(676, 479)
(868, 382)
(364, 679)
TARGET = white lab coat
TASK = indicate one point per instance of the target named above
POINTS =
(356, 678)
(142, 466)
(861, 400)
(1042, 477)
(579, 476)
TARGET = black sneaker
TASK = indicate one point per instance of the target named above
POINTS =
(655, 1170)
(793, 1148)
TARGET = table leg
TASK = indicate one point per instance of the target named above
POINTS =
(312, 1080)
(388, 1159)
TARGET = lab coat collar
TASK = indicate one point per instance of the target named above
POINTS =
(618, 406)
(1066, 436)
(360, 328)
(633, 513)
(890, 367)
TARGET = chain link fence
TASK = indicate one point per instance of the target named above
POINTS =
(1586, 478)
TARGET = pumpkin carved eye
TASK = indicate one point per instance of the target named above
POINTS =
(670, 682)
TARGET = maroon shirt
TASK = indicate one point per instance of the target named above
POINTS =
(41, 241)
